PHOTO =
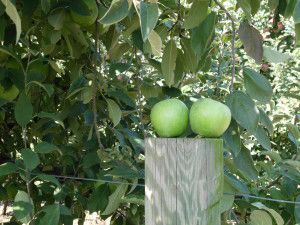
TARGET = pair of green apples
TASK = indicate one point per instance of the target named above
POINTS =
(208, 118)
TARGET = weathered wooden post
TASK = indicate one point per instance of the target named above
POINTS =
(184, 181)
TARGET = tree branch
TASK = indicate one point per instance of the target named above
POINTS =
(232, 43)
(276, 181)
(95, 88)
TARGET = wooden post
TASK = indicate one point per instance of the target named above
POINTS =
(184, 181)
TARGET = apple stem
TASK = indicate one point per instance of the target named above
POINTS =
(233, 60)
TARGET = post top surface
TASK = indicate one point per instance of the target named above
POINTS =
(195, 138)
(188, 139)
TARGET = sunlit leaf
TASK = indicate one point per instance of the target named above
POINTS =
(117, 11)
(114, 199)
(114, 111)
(257, 86)
(149, 17)
(22, 207)
(30, 159)
(13, 14)
(243, 110)
(169, 62)
(274, 56)
(245, 164)
(202, 35)
(196, 14)
(260, 217)
(277, 217)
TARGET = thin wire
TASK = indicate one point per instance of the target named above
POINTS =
(93, 180)
(263, 198)
(143, 185)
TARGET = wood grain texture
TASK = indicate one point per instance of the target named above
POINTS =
(184, 181)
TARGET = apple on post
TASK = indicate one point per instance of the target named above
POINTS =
(184, 176)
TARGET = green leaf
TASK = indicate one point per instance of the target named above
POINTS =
(274, 56)
(189, 59)
(273, 4)
(45, 147)
(114, 199)
(155, 43)
(262, 138)
(124, 171)
(273, 155)
(260, 217)
(46, 5)
(169, 62)
(203, 34)
(235, 183)
(246, 7)
(252, 41)
(117, 11)
(297, 12)
(114, 111)
(30, 158)
(257, 86)
(232, 138)
(56, 67)
(22, 207)
(149, 17)
(48, 178)
(226, 202)
(245, 164)
(290, 8)
(255, 5)
(277, 217)
(243, 110)
(134, 199)
(23, 110)
(196, 14)
(13, 14)
(55, 117)
(52, 215)
(99, 199)
(265, 121)
(12, 54)
(65, 211)
(297, 210)
(8, 168)
(294, 134)
(56, 19)
(297, 32)
(87, 94)
(47, 87)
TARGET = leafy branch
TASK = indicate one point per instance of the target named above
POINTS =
(233, 60)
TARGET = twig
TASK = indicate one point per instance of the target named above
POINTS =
(140, 103)
(232, 43)
(178, 16)
(27, 172)
(271, 184)
(97, 55)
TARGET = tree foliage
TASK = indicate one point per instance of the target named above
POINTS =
(77, 84)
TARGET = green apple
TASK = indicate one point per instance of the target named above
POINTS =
(209, 118)
(169, 118)
(9, 94)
